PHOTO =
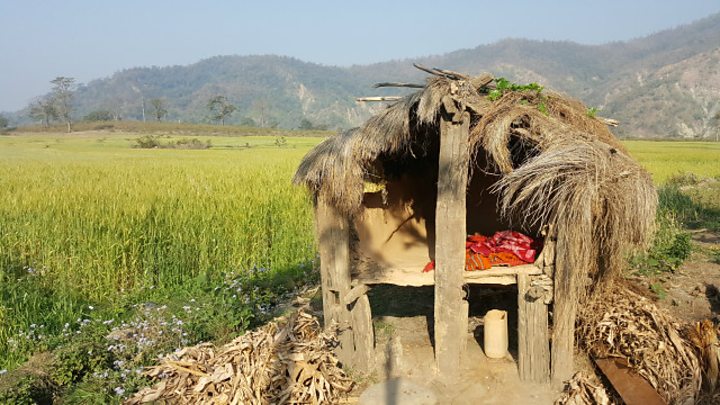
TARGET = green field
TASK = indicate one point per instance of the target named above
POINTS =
(89, 221)
(670, 158)
(92, 230)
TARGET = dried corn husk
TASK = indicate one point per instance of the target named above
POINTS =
(704, 336)
(584, 390)
(289, 360)
(618, 322)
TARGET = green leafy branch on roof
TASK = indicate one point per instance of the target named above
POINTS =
(503, 85)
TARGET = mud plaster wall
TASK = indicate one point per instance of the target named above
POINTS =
(400, 231)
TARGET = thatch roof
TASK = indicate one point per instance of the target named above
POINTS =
(555, 162)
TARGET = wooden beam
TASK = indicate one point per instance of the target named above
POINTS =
(451, 315)
(564, 312)
(452, 75)
(355, 293)
(363, 334)
(334, 249)
(631, 386)
(414, 277)
(399, 84)
(608, 121)
(533, 343)
(386, 98)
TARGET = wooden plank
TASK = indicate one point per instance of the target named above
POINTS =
(414, 277)
(363, 334)
(533, 343)
(334, 249)
(546, 261)
(564, 312)
(631, 386)
(450, 230)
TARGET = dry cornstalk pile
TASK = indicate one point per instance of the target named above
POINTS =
(582, 390)
(619, 323)
(289, 360)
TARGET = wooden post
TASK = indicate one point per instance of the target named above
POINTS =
(363, 335)
(451, 315)
(564, 312)
(533, 344)
(334, 248)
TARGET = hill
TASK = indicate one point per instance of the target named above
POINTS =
(663, 85)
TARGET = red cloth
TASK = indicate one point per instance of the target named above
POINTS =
(505, 241)
(507, 248)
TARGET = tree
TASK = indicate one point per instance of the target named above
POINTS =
(43, 110)
(63, 88)
(220, 108)
(305, 124)
(261, 107)
(159, 106)
(99, 115)
(3, 122)
(248, 122)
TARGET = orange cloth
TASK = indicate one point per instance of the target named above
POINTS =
(477, 261)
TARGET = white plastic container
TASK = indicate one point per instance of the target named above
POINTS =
(496, 334)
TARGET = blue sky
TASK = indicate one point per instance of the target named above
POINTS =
(40, 40)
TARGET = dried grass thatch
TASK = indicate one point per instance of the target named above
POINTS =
(555, 164)
(289, 360)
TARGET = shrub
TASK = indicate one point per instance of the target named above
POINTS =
(147, 142)
(99, 115)
(186, 143)
(153, 142)
(30, 389)
(671, 245)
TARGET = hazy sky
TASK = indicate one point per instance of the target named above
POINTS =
(89, 39)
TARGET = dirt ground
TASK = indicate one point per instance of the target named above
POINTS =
(402, 318)
(692, 292)
(403, 325)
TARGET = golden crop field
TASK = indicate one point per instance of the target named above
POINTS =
(95, 214)
(92, 213)
(90, 217)
(664, 159)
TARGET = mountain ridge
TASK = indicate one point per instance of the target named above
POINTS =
(640, 82)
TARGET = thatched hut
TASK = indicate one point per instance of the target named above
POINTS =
(475, 154)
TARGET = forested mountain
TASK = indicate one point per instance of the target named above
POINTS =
(663, 85)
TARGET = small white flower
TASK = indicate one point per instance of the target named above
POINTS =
(90, 307)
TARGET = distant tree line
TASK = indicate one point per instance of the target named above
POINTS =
(58, 106)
